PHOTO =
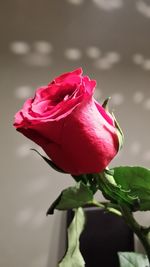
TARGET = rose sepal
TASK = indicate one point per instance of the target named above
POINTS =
(119, 132)
(49, 162)
(118, 128)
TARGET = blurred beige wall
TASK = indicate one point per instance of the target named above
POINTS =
(39, 40)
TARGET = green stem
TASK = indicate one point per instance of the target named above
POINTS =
(141, 232)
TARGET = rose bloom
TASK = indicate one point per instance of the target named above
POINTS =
(74, 130)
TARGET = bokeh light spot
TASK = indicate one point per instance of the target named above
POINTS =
(75, 2)
(103, 64)
(43, 47)
(113, 57)
(23, 92)
(19, 47)
(108, 5)
(117, 99)
(93, 52)
(147, 104)
(23, 150)
(138, 59)
(143, 8)
(146, 64)
(73, 54)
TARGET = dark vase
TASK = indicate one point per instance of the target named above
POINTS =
(104, 235)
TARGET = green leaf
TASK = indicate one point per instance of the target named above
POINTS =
(72, 197)
(53, 205)
(50, 163)
(73, 257)
(131, 259)
(136, 180)
(114, 192)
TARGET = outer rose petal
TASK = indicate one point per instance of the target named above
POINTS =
(89, 85)
(89, 143)
(63, 77)
(104, 113)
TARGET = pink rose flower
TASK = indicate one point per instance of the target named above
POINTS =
(73, 129)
